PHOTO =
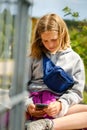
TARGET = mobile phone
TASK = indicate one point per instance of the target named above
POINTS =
(40, 106)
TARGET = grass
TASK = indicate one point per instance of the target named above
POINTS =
(85, 97)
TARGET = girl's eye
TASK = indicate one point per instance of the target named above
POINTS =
(45, 41)
(54, 40)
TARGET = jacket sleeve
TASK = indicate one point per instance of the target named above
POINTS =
(75, 94)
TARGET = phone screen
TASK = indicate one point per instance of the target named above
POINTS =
(41, 106)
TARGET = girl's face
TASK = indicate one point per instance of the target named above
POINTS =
(50, 41)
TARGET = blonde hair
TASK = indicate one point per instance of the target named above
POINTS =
(49, 22)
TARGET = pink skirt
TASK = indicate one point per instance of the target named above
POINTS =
(44, 97)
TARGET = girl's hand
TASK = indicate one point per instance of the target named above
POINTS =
(53, 108)
(35, 113)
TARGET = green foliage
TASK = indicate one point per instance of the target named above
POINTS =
(78, 35)
(75, 14)
(79, 41)
(68, 11)
(85, 97)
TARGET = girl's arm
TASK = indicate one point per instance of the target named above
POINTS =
(74, 95)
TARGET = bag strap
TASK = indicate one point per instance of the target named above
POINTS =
(48, 65)
(46, 60)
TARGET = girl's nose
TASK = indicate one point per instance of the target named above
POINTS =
(51, 44)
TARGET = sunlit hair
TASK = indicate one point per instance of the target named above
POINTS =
(49, 22)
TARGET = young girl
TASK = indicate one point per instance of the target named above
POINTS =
(52, 39)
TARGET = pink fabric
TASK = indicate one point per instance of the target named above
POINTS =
(44, 97)
(4, 120)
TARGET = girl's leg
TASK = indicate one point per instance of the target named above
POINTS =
(76, 118)
(77, 108)
(71, 122)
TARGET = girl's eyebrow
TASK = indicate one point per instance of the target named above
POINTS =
(50, 39)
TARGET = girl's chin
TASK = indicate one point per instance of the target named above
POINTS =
(53, 52)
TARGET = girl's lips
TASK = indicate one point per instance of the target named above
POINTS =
(52, 49)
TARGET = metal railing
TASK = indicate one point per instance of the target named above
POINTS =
(15, 23)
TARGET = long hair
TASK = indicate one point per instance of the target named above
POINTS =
(49, 22)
